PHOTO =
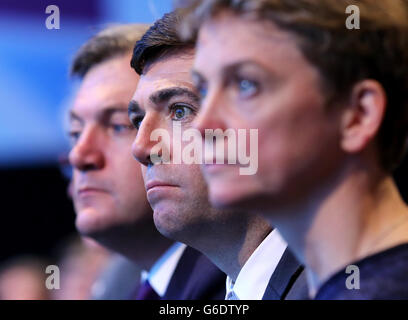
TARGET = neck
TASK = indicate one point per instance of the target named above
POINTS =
(358, 214)
(142, 244)
(229, 245)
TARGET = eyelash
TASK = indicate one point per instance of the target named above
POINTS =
(136, 120)
(175, 106)
(202, 90)
(237, 82)
(73, 136)
(121, 127)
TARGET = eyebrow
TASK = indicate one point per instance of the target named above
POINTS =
(103, 114)
(230, 68)
(74, 117)
(236, 68)
(196, 73)
(165, 95)
(243, 63)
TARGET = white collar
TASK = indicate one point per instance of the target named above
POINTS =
(254, 276)
(162, 271)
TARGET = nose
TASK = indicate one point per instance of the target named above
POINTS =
(87, 153)
(143, 144)
(210, 115)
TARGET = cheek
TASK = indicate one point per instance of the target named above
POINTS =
(124, 171)
(232, 190)
(296, 149)
(288, 133)
(74, 180)
(194, 172)
(130, 175)
(143, 172)
(191, 179)
(276, 142)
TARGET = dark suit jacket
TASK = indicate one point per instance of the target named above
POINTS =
(288, 282)
(196, 278)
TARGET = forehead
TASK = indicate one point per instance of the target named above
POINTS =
(258, 40)
(172, 71)
(109, 83)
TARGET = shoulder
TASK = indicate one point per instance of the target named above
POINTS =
(379, 276)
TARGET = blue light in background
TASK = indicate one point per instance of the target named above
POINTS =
(34, 62)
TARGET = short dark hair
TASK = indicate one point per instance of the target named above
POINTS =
(379, 50)
(161, 40)
(112, 41)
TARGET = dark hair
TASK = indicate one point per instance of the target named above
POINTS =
(161, 40)
(379, 50)
(112, 41)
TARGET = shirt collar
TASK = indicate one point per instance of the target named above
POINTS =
(162, 271)
(254, 276)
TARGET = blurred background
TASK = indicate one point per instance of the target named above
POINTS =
(37, 218)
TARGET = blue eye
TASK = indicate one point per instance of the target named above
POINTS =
(247, 88)
(73, 137)
(203, 92)
(118, 128)
(200, 84)
(180, 111)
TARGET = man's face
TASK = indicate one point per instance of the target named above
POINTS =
(177, 192)
(108, 189)
(260, 80)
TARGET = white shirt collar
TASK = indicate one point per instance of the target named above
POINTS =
(162, 271)
(254, 276)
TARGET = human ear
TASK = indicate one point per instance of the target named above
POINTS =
(363, 117)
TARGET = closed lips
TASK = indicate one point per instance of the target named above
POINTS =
(153, 184)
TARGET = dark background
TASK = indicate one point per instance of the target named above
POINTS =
(401, 177)
(36, 211)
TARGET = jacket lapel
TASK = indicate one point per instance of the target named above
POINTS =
(288, 275)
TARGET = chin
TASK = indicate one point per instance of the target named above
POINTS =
(90, 221)
(171, 223)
